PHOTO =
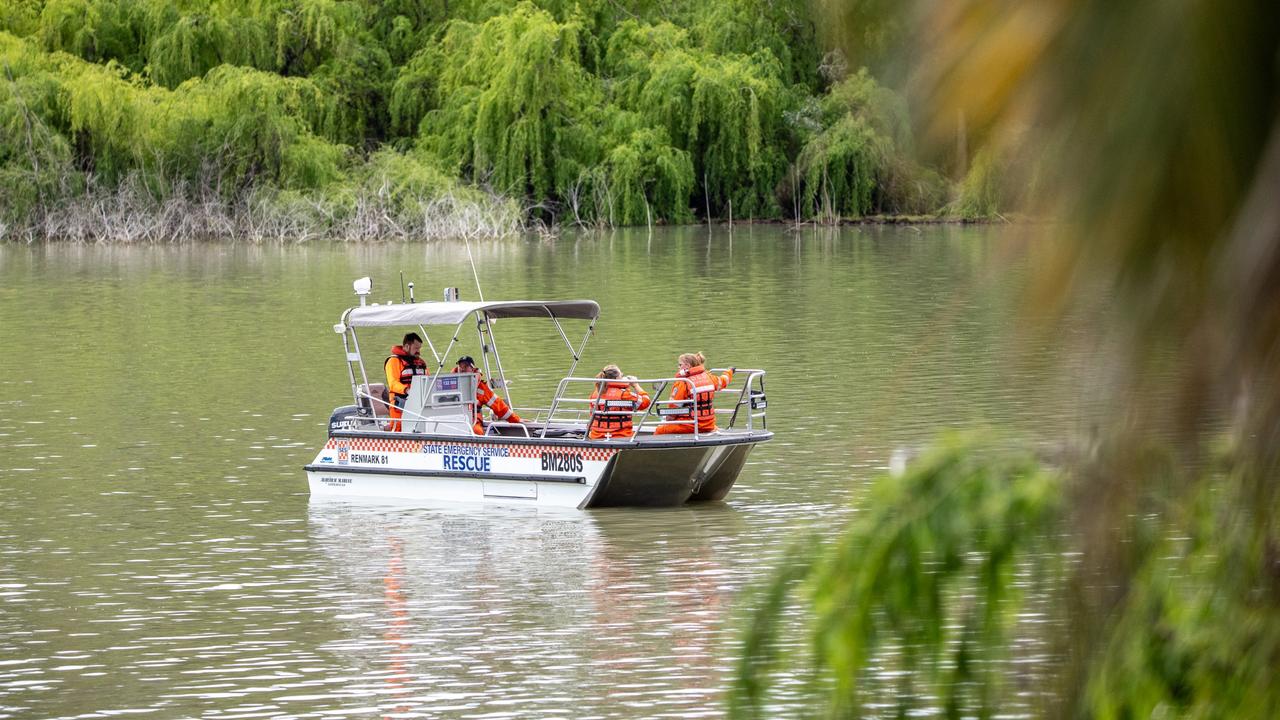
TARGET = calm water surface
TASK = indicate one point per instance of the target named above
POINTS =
(159, 553)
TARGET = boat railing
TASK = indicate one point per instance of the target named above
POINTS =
(751, 397)
(748, 406)
(748, 411)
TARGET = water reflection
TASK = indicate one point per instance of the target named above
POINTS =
(508, 611)
(158, 552)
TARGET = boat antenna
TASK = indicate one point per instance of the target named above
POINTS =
(401, 287)
(473, 269)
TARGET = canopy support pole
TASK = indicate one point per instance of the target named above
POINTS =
(497, 357)
(346, 353)
(430, 344)
(577, 354)
(364, 374)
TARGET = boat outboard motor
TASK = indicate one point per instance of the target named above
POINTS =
(349, 417)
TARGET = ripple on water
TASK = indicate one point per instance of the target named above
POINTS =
(165, 561)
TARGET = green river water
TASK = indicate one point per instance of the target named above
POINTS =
(159, 554)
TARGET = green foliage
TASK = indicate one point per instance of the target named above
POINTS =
(782, 27)
(956, 525)
(507, 92)
(839, 169)
(637, 176)
(35, 160)
(590, 109)
(982, 194)
(510, 103)
(414, 91)
(352, 101)
(231, 129)
(95, 30)
(1199, 632)
(309, 33)
(20, 17)
(185, 46)
(724, 110)
(859, 160)
(643, 171)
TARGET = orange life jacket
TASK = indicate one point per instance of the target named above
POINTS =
(704, 390)
(400, 369)
(611, 410)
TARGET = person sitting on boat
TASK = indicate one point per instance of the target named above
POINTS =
(486, 397)
(703, 390)
(613, 403)
(401, 368)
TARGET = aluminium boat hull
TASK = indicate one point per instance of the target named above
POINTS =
(649, 472)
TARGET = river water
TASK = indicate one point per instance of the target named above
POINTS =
(159, 553)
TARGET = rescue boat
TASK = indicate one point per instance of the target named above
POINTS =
(548, 459)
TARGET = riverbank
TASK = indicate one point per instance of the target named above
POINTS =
(172, 126)
(131, 218)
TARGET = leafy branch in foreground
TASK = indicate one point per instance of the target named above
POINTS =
(927, 569)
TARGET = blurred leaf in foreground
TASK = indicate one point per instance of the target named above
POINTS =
(1150, 138)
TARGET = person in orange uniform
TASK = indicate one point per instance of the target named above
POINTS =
(401, 368)
(486, 397)
(705, 385)
(613, 403)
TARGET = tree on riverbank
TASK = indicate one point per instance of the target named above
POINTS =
(1156, 549)
(304, 113)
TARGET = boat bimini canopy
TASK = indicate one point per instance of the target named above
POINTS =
(453, 313)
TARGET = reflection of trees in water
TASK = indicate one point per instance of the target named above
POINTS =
(659, 570)
(494, 605)
(466, 598)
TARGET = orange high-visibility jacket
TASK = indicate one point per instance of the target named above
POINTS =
(704, 390)
(401, 368)
(611, 410)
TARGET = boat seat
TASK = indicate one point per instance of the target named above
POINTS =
(377, 390)
(561, 432)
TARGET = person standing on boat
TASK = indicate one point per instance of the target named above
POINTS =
(613, 403)
(401, 368)
(485, 397)
(705, 385)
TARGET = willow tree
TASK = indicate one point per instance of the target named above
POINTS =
(962, 523)
(783, 27)
(20, 17)
(355, 89)
(36, 168)
(252, 122)
(229, 130)
(630, 173)
(724, 110)
(95, 30)
(181, 46)
(858, 158)
(508, 96)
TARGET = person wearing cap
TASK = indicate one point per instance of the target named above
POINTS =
(613, 404)
(701, 388)
(486, 397)
(400, 369)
